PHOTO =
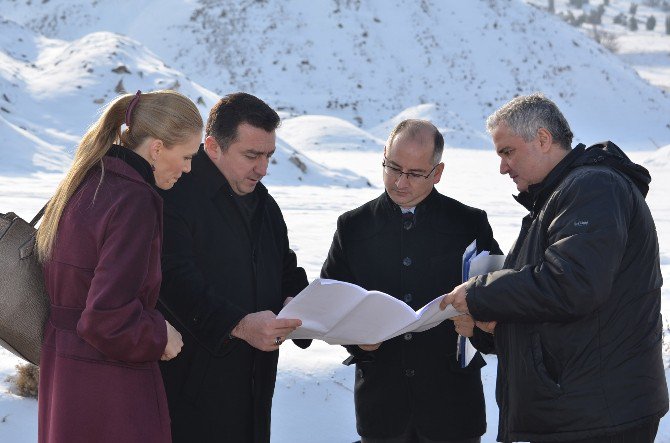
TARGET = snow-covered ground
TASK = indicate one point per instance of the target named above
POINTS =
(341, 74)
(314, 395)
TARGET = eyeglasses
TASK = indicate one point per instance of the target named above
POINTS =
(396, 173)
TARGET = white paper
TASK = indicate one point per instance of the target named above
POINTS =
(479, 264)
(485, 263)
(343, 313)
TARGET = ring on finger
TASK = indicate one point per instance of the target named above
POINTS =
(278, 341)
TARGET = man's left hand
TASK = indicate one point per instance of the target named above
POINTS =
(464, 324)
(456, 298)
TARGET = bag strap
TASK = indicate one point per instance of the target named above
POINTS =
(38, 216)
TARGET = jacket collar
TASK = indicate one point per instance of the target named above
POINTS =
(212, 180)
(208, 175)
(125, 162)
(604, 154)
(608, 154)
(537, 194)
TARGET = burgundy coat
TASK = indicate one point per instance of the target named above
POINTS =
(100, 380)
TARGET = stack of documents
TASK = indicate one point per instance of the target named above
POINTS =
(343, 313)
(475, 264)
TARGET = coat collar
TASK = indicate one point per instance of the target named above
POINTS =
(604, 154)
(533, 199)
(130, 160)
(211, 180)
(391, 206)
(608, 154)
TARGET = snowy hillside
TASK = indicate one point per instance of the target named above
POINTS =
(645, 44)
(51, 89)
(368, 62)
(341, 73)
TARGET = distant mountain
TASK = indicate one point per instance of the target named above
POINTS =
(320, 133)
(365, 63)
(51, 90)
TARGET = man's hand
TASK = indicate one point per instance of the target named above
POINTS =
(456, 298)
(486, 326)
(174, 343)
(465, 325)
(264, 331)
(370, 348)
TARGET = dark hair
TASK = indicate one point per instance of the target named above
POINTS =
(414, 129)
(235, 109)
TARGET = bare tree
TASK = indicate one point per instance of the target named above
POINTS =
(607, 39)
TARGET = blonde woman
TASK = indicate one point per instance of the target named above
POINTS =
(100, 244)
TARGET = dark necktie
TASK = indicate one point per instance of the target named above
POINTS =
(408, 220)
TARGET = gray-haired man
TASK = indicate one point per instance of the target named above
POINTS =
(579, 329)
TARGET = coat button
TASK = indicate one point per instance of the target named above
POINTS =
(409, 373)
(407, 298)
(407, 261)
(407, 336)
(196, 319)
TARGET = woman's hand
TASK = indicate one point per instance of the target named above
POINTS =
(174, 343)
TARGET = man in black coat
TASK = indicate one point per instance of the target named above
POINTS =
(227, 271)
(409, 243)
(579, 330)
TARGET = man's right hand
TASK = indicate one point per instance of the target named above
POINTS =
(370, 348)
(486, 326)
(174, 343)
(262, 329)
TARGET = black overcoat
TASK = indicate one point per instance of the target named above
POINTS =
(414, 376)
(217, 267)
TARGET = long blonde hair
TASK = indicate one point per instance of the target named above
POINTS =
(165, 115)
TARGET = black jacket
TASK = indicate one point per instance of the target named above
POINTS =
(415, 376)
(579, 334)
(218, 267)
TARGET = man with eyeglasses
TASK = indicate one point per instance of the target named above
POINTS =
(409, 243)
